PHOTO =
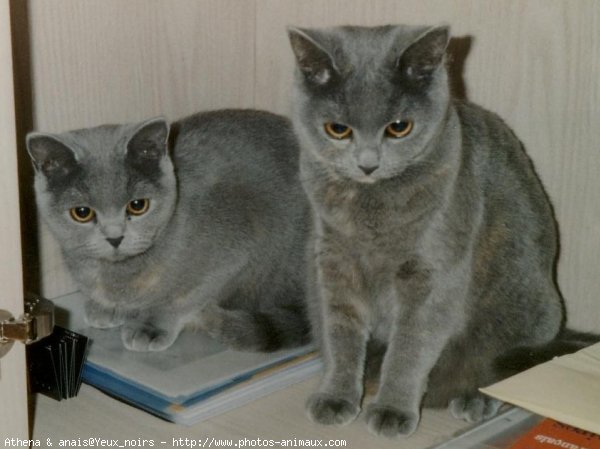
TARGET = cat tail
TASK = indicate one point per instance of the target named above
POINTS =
(566, 342)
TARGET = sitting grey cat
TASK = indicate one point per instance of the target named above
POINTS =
(434, 240)
(212, 234)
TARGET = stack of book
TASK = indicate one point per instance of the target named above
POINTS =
(194, 379)
(558, 407)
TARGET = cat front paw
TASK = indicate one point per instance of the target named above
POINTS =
(144, 336)
(391, 422)
(102, 317)
(474, 408)
(329, 410)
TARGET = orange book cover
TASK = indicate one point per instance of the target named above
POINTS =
(550, 434)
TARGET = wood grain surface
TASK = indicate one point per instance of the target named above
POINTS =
(535, 62)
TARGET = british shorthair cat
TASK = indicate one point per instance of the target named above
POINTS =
(211, 233)
(434, 242)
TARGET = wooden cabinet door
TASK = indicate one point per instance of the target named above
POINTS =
(13, 387)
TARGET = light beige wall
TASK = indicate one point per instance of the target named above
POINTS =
(535, 62)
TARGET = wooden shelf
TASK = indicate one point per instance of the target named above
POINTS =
(277, 416)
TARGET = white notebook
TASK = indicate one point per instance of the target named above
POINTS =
(566, 389)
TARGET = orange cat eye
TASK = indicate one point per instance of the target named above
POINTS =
(338, 131)
(82, 214)
(138, 207)
(399, 128)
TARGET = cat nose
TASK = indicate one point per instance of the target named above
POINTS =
(115, 242)
(368, 169)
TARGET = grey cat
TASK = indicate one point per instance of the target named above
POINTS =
(211, 235)
(434, 244)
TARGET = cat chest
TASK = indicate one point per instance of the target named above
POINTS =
(122, 285)
(384, 291)
(381, 302)
(385, 220)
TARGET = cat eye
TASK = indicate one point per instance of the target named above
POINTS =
(138, 207)
(338, 131)
(82, 214)
(399, 128)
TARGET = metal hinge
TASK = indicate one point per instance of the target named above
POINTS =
(36, 323)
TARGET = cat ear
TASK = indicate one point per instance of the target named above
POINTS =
(425, 54)
(49, 155)
(148, 143)
(313, 60)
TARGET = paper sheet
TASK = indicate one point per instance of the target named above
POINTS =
(566, 389)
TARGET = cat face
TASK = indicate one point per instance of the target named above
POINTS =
(370, 100)
(105, 192)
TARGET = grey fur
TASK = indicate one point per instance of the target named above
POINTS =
(221, 246)
(444, 254)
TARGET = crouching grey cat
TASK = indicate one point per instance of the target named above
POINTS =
(212, 234)
(434, 240)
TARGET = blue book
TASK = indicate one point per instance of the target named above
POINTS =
(194, 379)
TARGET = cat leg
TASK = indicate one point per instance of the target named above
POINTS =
(426, 320)
(338, 400)
(287, 322)
(102, 316)
(157, 328)
(474, 407)
(463, 367)
(247, 331)
(152, 330)
(344, 342)
(395, 410)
